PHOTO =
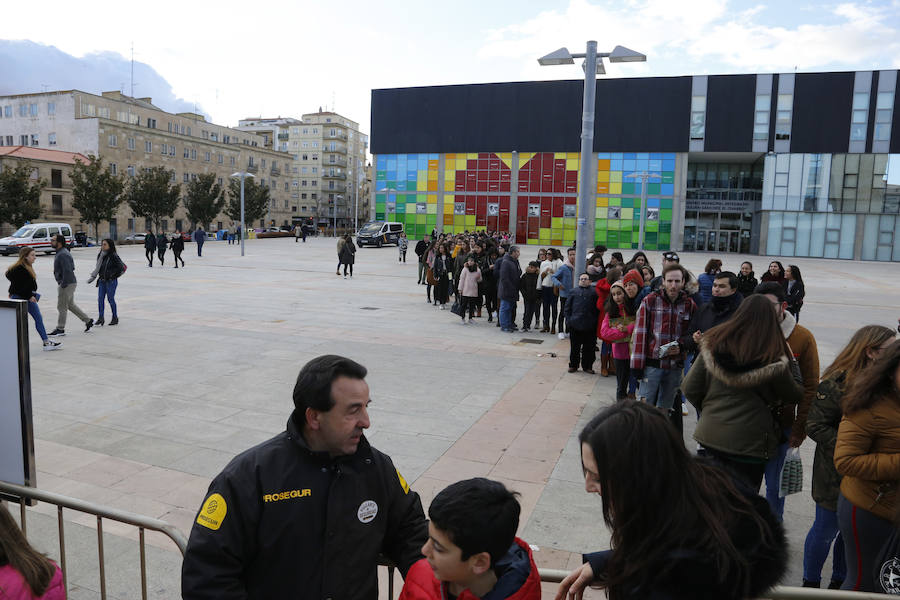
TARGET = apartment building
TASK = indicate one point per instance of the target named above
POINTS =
(131, 134)
(328, 171)
(55, 168)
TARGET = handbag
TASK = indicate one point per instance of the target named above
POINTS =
(429, 277)
(791, 474)
(456, 309)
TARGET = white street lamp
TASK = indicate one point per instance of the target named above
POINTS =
(592, 66)
(242, 175)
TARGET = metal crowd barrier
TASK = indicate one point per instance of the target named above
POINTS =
(101, 512)
(144, 523)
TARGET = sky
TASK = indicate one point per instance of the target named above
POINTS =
(284, 58)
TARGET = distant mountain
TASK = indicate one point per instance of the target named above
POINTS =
(28, 67)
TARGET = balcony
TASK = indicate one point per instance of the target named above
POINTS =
(339, 188)
(336, 161)
(337, 135)
(338, 148)
(282, 137)
(275, 171)
(252, 168)
(326, 175)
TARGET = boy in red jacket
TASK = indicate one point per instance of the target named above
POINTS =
(472, 550)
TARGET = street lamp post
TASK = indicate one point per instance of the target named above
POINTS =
(593, 65)
(242, 175)
(643, 177)
(334, 213)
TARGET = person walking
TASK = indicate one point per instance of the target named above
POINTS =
(402, 245)
(347, 254)
(107, 272)
(23, 286)
(468, 288)
(616, 330)
(864, 348)
(421, 247)
(867, 454)
(178, 248)
(340, 246)
(743, 377)
(64, 273)
(200, 239)
(746, 279)
(508, 281)
(149, 247)
(581, 320)
(549, 294)
(660, 332)
(440, 269)
(795, 290)
(162, 244)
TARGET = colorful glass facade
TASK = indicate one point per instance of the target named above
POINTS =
(533, 194)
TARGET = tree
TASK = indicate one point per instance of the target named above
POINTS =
(151, 196)
(96, 192)
(204, 200)
(256, 200)
(20, 195)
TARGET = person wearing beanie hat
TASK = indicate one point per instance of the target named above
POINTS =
(617, 327)
(602, 288)
(633, 276)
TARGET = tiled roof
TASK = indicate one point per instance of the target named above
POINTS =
(31, 153)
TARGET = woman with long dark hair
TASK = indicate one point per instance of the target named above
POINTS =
(107, 272)
(715, 538)
(548, 296)
(23, 286)
(863, 349)
(347, 254)
(615, 330)
(739, 383)
(442, 268)
(795, 291)
(25, 573)
(867, 454)
(775, 273)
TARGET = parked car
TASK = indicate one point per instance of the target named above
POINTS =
(378, 233)
(37, 236)
(137, 238)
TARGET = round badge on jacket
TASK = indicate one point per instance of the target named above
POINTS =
(367, 511)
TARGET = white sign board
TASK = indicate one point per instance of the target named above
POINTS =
(16, 433)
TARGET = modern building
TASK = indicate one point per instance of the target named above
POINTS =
(327, 176)
(792, 164)
(55, 168)
(131, 134)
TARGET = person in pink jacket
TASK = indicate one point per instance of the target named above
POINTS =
(25, 573)
(469, 277)
(616, 328)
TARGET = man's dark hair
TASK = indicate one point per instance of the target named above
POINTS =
(731, 277)
(685, 276)
(478, 515)
(535, 263)
(313, 387)
(600, 249)
(772, 288)
(60, 239)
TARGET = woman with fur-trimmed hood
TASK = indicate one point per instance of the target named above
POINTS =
(744, 375)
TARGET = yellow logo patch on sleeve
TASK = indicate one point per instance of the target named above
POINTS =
(213, 512)
(403, 483)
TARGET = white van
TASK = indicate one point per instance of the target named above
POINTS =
(377, 233)
(37, 236)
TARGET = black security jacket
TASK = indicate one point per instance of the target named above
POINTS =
(299, 524)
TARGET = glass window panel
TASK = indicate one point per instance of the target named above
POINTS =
(783, 116)
(896, 255)
(882, 132)
(697, 118)
(885, 100)
(782, 162)
(698, 103)
(773, 241)
(785, 101)
(817, 235)
(762, 118)
(848, 236)
(860, 116)
(883, 116)
(850, 181)
(858, 132)
(861, 101)
(781, 179)
(886, 237)
(804, 231)
(697, 132)
(852, 163)
(764, 103)
(870, 237)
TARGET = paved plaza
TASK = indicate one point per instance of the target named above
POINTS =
(142, 415)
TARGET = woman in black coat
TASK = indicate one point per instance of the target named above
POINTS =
(107, 272)
(795, 290)
(23, 286)
(177, 248)
(347, 254)
(441, 270)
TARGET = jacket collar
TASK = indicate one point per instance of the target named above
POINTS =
(744, 379)
(788, 324)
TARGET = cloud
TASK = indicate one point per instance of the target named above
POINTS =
(695, 36)
(31, 67)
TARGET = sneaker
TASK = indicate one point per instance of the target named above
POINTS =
(561, 335)
(471, 322)
(88, 325)
(58, 332)
(443, 307)
(51, 345)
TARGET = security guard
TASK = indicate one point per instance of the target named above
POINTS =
(306, 514)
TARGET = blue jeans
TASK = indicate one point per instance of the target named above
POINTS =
(605, 348)
(773, 479)
(658, 388)
(505, 314)
(35, 313)
(106, 289)
(818, 542)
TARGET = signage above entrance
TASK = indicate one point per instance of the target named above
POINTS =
(718, 205)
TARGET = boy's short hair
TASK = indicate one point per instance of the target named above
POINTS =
(772, 288)
(535, 263)
(478, 515)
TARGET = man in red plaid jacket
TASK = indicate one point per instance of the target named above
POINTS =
(662, 318)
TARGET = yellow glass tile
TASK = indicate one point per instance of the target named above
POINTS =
(615, 188)
(523, 161)
(450, 155)
(470, 221)
(602, 201)
(507, 160)
(569, 224)
(450, 174)
(433, 175)
(472, 155)
(615, 176)
(600, 212)
(459, 220)
(421, 174)
(602, 176)
(544, 233)
(556, 223)
(545, 242)
(602, 188)
(626, 213)
(571, 164)
(603, 164)
(432, 165)
(449, 186)
(432, 185)
(421, 185)
(448, 219)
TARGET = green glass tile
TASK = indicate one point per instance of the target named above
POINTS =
(665, 226)
(380, 198)
(665, 214)
(379, 216)
(668, 177)
(431, 219)
(625, 237)
(650, 236)
(420, 219)
(652, 226)
(615, 202)
(626, 225)
(664, 240)
(380, 175)
(665, 203)
(629, 202)
(600, 224)
(628, 188)
(653, 189)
